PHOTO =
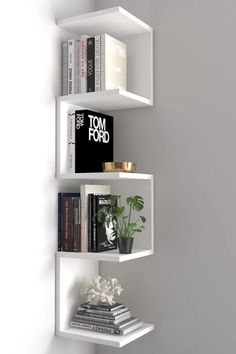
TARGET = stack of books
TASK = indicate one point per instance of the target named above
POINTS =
(105, 318)
(78, 228)
(69, 222)
(93, 63)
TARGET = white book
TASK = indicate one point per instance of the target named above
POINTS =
(113, 63)
(97, 62)
(83, 63)
(71, 66)
(77, 66)
(71, 141)
(86, 189)
(65, 68)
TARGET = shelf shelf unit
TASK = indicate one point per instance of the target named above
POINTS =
(114, 176)
(139, 39)
(72, 268)
(109, 256)
(109, 100)
(107, 339)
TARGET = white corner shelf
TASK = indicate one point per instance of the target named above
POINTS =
(107, 100)
(104, 176)
(74, 269)
(106, 339)
(109, 256)
(115, 20)
(138, 37)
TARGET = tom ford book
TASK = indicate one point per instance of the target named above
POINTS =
(93, 140)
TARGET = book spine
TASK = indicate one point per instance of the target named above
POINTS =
(95, 319)
(90, 218)
(97, 60)
(77, 66)
(98, 307)
(71, 142)
(95, 327)
(71, 66)
(83, 63)
(59, 243)
(97, 315)
(79, 236)
(94, 223)
(90, 64)
(110, 315)
(67, 225)
(65, 68)
(102, 60)
(75, 227)
(84, 236)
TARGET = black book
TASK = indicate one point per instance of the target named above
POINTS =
(94, 224)
(76, 227)
(101, 306)
(90, 221)
(105, 233)
(93, 140)
(109, 314)
(90, 64)
(102, 314)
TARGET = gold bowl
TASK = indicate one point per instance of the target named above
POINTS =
(119, 166)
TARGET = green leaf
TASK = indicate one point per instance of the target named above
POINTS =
(143, 218)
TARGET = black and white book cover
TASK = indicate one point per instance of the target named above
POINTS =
(106, 236)
(93, 140)
(102, 306)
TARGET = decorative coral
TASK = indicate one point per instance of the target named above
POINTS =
(102, 290)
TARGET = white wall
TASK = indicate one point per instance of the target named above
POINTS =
(188, 141)
(30, 72)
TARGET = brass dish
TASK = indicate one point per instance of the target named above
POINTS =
(119, 166)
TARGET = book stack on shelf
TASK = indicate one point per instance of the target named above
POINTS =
(93, 64)
(78, 228)
(105, 318)
(69, 222)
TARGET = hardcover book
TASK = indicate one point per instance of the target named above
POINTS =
(65, 68)
(101, 306)
(83, 63)
(104, 234)
(93, 140)
(71, 66)
(113, 63)
(91, 64)
(117, 326)
(97, 60)
(103, 320)
(110, 314)
(85, 190)
(104, 329)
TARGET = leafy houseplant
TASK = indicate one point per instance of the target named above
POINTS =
(120, 217)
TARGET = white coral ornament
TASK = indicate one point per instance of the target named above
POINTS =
(102, 290)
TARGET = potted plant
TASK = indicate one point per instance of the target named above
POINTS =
(121, 217)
